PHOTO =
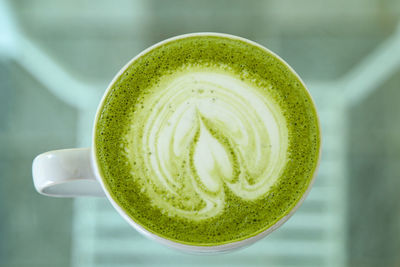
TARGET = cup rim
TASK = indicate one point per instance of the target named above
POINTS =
(176, 244)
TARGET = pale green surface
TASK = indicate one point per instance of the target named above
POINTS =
(345, 51)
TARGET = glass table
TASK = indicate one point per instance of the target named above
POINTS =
(57, 58)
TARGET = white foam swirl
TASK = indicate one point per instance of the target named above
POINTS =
(201, 129)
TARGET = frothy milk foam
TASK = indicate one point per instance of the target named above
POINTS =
(204, 128)
(207, 140)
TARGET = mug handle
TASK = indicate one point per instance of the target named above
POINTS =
(66, 173)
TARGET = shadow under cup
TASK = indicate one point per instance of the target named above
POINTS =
(206, 142)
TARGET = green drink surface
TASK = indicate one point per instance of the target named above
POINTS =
(207, 140)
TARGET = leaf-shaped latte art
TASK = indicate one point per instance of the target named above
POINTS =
(205, 131)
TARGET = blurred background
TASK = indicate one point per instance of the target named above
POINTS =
(57, 58)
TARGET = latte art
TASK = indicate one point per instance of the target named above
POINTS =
(207, 140)
(203, 131)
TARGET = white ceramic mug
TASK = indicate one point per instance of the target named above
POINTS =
(75, 172)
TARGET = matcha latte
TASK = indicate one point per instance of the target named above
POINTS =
(207, 140)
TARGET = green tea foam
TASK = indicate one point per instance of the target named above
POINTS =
(207, 140)
(203, 128)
